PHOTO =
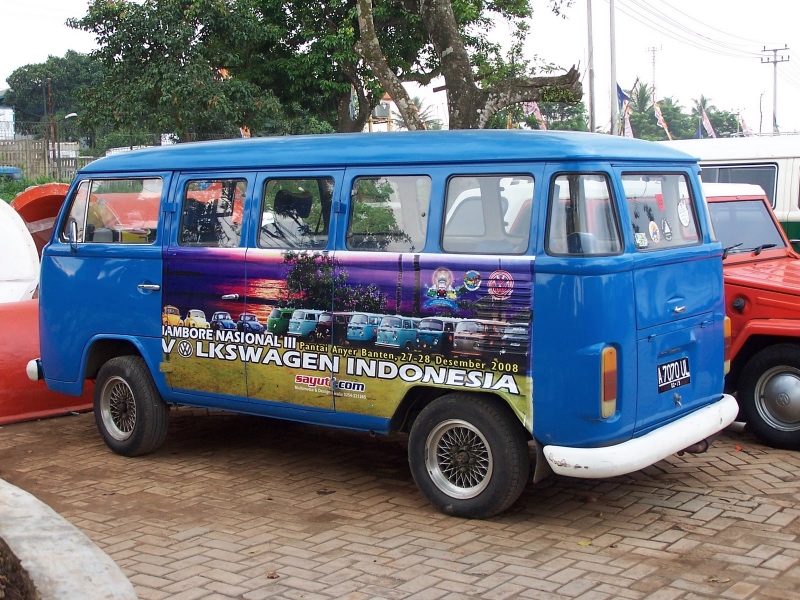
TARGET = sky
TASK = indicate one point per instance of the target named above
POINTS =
(687, 47)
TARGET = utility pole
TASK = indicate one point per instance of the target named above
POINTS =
(614, 99)
(775, 60)
(653, 51)
(591, 66)
(52, 122)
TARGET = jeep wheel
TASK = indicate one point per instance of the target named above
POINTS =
(129, 412)
(769, 395)
(468, 455)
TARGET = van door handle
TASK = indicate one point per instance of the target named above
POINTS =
(150, 287)
(679, 309)
(230, 297)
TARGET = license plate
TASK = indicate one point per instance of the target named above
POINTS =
(673, 374)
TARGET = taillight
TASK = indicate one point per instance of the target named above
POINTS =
(608, 382)
(727, 345)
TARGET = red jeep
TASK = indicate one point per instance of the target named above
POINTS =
(762, 298)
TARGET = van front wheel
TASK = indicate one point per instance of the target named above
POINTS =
(468, 456)
(769, 395)
(129, 412)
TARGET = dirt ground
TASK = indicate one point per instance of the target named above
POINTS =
(14, 581)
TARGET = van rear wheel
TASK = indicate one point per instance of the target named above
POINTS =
(769, 395)
(468, 456)
(129, 412)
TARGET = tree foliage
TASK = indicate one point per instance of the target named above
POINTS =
(315, 280)
(31, 94)
(458, 49)
(174, 59)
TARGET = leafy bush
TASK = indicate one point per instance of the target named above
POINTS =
(9, 188)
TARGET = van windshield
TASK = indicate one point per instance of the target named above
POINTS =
(744, 225)
(427, 325)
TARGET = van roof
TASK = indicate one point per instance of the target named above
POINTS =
(418, 147)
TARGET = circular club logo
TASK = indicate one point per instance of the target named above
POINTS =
(472, 280)
(500, 285)
(185, 348)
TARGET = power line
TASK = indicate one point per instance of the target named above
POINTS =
(712, 27)
(671, 28)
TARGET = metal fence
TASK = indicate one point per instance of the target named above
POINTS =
(44, 151)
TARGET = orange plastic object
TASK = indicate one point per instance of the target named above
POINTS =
(38, 206)
(20, 398)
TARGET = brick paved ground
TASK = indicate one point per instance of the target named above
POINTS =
(241, 507)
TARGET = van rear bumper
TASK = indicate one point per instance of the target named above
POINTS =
(641, 452)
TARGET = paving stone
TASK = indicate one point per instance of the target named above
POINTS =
(241, 507)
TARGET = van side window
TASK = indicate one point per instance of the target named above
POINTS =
(582, 219)
(389, 214)
(296, 213)
(764, 175)
(212, 213)
(116, 211)
(661, 209)
(488, 214)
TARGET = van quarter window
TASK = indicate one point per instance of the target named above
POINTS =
(582, 219)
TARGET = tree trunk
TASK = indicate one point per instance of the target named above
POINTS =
(469, 106)
(370, 48)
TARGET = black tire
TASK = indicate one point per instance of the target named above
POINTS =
(769, 396)
(492, 455)
(129, 412)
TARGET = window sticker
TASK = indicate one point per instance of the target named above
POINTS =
(666, 230)
(655, 234)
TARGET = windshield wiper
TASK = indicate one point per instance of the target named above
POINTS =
(757, 250)
(728, 249)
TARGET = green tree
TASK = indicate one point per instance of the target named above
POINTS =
(723, 122)
(167, 68)
(315, 280)
(31, 94)
(479, 83)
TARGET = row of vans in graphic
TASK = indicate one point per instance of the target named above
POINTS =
(435, 334)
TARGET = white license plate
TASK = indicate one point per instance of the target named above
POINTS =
(673, 374)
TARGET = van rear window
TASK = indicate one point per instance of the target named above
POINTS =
(661, 209)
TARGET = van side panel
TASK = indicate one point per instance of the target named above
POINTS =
(567, 404)
(423, 285)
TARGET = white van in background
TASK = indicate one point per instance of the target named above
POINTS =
(772, 162)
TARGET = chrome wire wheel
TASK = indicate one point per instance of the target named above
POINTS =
(458, 459)
(118, 408)
(777, 398)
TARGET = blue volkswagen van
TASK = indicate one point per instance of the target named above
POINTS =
(397, 332)
(362, 328)
(602, 245)
(303, 323)
(435, 334)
